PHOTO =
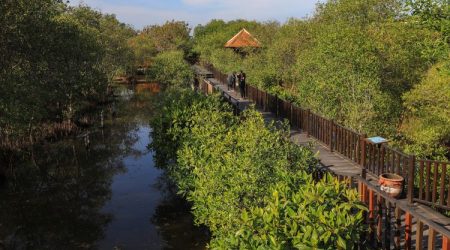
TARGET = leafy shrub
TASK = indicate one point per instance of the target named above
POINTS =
(170, 69)
(172, 122)
(426, 125)
(227, 166)
(352, 61)
(311, 215)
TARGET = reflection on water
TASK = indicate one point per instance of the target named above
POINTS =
(147, 87)
(107, 195)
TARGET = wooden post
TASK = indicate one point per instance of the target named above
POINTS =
(431, 238)
(363, 151)
(419, 235)
(331, 134)
(308, 111)
(266, 105)
(411, 171)
(362, 191)
(442, 183)
(290, 113)
(371, 214)
(408, 231)
(398, 225)
(382, 154)
(445, 243)
(435, 180)
(379, 220)
(278, 106)
(387, 226)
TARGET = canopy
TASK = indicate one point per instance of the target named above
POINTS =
(243, 39)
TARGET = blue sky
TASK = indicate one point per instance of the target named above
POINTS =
(139, 13)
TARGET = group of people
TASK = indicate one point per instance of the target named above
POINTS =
(237, 80)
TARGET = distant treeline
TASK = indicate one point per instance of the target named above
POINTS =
(56, 61)
(378, 66)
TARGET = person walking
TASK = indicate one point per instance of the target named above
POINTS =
(238, 81)
(231, 80)
(242, 84)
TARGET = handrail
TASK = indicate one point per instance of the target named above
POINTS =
(384, 212)
(352, 145)
(381, 223)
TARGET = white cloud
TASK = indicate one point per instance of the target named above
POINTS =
(197, 2)
(201, 11)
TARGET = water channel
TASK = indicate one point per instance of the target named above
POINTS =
(99, 192)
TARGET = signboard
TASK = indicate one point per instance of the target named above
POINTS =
(376, 140)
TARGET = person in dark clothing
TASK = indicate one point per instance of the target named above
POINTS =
(242, 84)
(231, 80)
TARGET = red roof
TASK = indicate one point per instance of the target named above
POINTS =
(243, 39)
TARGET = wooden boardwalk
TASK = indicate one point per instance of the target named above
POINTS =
(342, 166)
(331, 161)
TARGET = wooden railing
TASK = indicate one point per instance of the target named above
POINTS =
(393, 223)
(390, 221)
(426, 182)
(433, 188)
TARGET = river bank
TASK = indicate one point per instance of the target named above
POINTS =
(102, 195)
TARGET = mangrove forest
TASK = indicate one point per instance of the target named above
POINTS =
(222, 125)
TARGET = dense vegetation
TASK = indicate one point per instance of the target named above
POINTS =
(247, 182)
(170, 69)
(378, 66)
(156, 39)
(165, 50)
(56, 61)
(369, 65)
(359, 62)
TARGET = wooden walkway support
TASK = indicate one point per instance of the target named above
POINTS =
(411, 222)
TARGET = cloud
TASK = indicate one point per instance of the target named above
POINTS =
(140, 13)
(197, 2)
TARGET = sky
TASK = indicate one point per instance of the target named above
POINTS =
(140, 13)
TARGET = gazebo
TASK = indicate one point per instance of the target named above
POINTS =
(243, 39)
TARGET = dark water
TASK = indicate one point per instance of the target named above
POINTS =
(107, 195)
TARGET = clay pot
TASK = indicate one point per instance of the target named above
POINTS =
(391, 184)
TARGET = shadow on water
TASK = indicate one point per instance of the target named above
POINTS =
(174, 224)
(105, 194)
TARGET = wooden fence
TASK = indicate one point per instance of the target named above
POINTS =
(390, 220)
(434, 181)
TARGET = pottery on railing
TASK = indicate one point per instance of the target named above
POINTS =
(391, 184)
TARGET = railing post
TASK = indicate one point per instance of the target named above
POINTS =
(290, 113)
(408, 231)
(331, 134)
(266, 105)
(278, 105)
(445, 243)
(371, 214)
(363, 151)
(411, 172)
(363, 188)
(307, 128)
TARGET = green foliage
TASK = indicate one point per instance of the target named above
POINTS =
(226, 165)
(112, 36)
(426, 126)
(313, 214)
(210, 40)
(154, 39)
(55, 61)
(171, 70)
(434, 14)
(173, 121)
(352, 61)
